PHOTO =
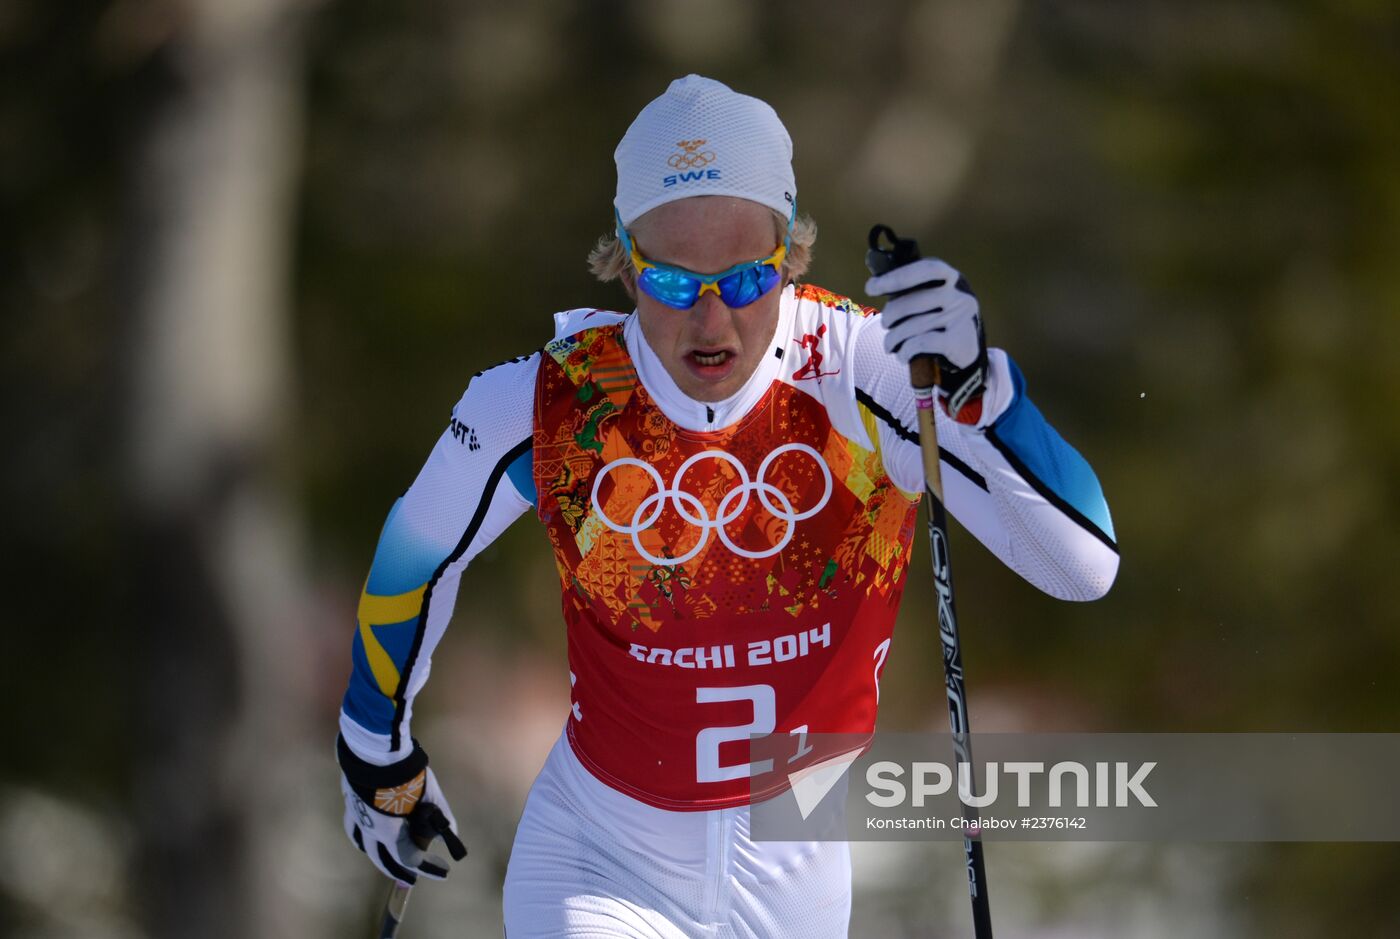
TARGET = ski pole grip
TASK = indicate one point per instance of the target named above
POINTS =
(881, 260)
(420, 825)
(923, 370)
(427, 822)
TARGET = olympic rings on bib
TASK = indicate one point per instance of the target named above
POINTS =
(730, 507)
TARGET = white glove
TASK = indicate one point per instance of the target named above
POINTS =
(389, 808)
(938, 316)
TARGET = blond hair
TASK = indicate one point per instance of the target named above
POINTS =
(610, 261)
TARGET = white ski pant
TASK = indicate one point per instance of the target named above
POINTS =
(589, 861)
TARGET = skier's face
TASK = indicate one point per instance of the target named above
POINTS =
(711, 349)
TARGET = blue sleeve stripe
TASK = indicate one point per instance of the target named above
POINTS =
(363, 700)
(488, 493)
(1051, 466)
(404, 559)
(522, 476)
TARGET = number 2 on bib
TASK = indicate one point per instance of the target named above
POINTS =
(707, 741)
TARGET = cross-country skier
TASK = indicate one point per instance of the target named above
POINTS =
(729, 477)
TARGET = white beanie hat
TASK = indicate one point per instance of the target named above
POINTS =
(701, 138)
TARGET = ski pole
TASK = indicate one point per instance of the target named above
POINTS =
(923, 375)
(423, 827)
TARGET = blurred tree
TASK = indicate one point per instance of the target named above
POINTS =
(216, 544)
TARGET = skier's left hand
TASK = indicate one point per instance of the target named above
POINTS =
(938, 316)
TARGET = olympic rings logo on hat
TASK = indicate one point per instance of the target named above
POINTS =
(690, 159)
(734, 503)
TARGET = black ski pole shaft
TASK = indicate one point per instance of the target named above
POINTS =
(923, 375)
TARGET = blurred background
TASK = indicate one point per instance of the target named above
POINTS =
(254, 249)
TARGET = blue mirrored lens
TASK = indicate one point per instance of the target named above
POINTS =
(744, 287)
(673, 288)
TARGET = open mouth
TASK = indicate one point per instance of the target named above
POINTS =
(711, 359)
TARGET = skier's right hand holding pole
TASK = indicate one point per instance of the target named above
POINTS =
(379, 801)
